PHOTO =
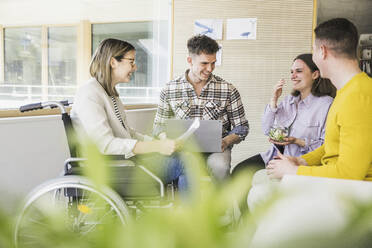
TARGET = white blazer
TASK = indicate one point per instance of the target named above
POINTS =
(93, 115)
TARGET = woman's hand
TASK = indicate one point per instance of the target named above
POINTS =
(288, 140)
(285, 165)
(166, 146)
(277, 92)
(295, 160)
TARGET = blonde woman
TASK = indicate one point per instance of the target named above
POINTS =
(99, 113)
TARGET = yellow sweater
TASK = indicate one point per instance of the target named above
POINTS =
(347, 149)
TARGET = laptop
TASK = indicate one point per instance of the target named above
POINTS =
(206, 138)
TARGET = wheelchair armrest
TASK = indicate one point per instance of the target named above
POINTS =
(116, 161)
(74, 162)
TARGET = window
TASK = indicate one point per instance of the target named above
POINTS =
(151, 56)
(22, 66)
(48, 62)
(28, 77)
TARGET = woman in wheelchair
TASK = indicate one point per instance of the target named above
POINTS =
(99, 113)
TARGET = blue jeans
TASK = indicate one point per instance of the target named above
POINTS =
(167, 168)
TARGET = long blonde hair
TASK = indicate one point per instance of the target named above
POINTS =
(100, 67)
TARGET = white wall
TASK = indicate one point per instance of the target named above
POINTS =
(33, 150)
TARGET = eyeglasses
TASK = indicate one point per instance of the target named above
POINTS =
(132, 61)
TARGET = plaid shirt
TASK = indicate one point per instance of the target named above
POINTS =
(218, 100)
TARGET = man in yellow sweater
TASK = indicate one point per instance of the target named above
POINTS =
(347, 149)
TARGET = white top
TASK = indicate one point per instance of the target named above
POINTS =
(93, 114)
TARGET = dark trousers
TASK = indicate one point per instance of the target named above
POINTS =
(253, 163)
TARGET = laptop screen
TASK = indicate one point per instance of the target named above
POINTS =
(207, 138)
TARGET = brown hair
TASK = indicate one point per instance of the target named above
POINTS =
(340, 34)
(100, 67)
(321, 86)
(202, 44)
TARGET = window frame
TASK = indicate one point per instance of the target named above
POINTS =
(2, 58)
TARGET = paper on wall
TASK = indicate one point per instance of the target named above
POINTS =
(241, 29)
(210, 27)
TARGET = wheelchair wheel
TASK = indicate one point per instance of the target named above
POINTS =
(74, 200)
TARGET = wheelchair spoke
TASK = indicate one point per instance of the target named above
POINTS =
(38, 222)
(72, 202)
(98, 222)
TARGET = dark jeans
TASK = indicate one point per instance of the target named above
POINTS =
(253, 163)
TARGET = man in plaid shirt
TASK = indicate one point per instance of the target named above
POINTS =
(200, 94)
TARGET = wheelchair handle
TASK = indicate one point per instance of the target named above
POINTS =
(40, 105)
(69, 163)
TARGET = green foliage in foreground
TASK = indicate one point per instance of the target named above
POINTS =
(205, 220)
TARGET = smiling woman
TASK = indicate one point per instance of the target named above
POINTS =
(123, 67)
(98, 114)
(302, 114)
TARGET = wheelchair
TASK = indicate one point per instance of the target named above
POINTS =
(81, 204)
